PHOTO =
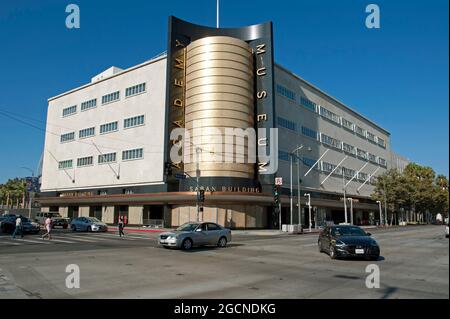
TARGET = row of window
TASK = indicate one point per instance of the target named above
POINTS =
(327, 168)
(107, 98)
(331, 141)
(103, 158)
(104, 128)
(327, 114)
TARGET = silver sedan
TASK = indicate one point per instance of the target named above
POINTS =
(196, 234)
(88, 224)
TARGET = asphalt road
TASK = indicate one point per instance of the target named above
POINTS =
(414, 264)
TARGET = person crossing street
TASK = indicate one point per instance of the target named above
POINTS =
(48, 228)
(18, 228)
(121, 226)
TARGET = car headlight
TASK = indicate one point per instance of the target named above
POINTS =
(339, 243)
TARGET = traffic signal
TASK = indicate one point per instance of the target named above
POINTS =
(168, 169)
(201, 195)
(276, 194)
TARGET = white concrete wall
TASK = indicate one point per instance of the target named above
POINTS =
(289, 140)
(150, 136)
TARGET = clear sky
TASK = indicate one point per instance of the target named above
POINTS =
(397, 75)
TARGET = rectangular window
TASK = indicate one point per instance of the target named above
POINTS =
(111, 97)
(348, 125)
(362, 176)
(286, 124)
(371, 137)
(310, 105)
(330, 115)
(88, 104)
(108, 127)
(328, 140)
(67, 137)
(350, 149)
(348, 172)
(65, 164)
(309, 162)
(309, 132)
(381, 142)
(286, 92)
(136, 89)
(87, 132)
(133, 121)
(282, 155)
(361, 153)
(69, 110)
(382, 161)
(360, 131)
(132, 154)
(328, 167)
(373, 158)
(85, 161)
(107, 158)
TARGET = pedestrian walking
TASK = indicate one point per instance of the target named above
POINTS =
(18, 228)
(48, 228)
(121, 226)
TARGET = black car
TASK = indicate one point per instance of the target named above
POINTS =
(8, 225)
(60, 222)
(342, 241)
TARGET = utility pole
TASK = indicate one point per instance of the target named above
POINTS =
(290, 195)
(385, 203)
(309, 210)
(351, 210)
(298, 195)
(197, 174)
(345, 200)
(379, 206)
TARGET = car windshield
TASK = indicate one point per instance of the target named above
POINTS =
(93, 220)
(347, 231)
(187, 227)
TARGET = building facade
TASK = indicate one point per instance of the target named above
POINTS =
(109, 146)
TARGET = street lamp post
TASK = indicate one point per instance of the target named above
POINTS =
(351, 210)
(345, 200)
(299, 207)
(381, 217)
(309, 210)
(30, 193)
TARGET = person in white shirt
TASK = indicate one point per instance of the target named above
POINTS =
(48, 228)
(18, 228)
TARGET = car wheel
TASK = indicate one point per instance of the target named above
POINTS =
(222, 242)
(73, 227)
(332, 252)
(186, 244)
(89, 229)
(320, 246)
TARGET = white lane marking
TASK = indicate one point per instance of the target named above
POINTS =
(34, 241)
(9, 242)
(111, 236)
(60, 241)
(79, 238)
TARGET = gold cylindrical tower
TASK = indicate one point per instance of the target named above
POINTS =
(219, 95)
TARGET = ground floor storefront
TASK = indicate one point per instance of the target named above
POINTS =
(233, 210)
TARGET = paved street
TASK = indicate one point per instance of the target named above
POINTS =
(414, 264)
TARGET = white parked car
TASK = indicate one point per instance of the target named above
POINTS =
(446, 231)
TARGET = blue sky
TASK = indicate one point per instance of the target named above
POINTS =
(396, 75)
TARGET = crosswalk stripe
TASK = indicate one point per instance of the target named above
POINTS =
(111, 236)
(61, 241)
(8, 242)
(33, 241)
(79, 238)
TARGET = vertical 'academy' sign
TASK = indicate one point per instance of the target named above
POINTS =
(259, 38)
